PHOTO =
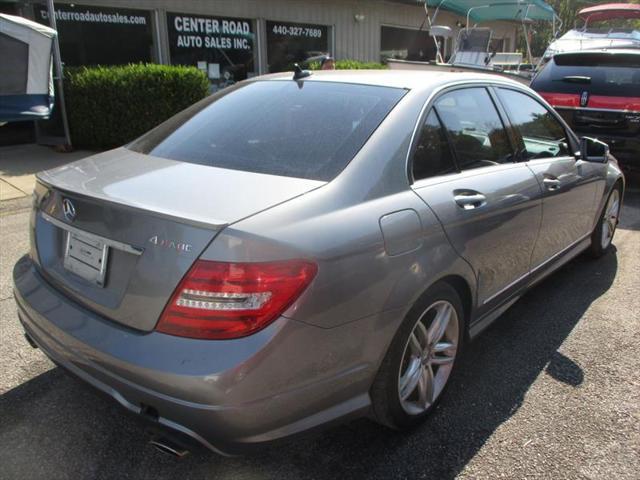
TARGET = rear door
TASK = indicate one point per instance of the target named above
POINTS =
(569, 186)
(463, 167)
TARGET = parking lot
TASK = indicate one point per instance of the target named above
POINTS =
(551, 390)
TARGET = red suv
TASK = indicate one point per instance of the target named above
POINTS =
(598, 94)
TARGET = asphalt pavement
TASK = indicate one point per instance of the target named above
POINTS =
(551, 390)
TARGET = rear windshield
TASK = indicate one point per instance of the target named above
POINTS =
(598, 73)
(296, 129)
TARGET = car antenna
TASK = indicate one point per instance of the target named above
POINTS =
(299, 72)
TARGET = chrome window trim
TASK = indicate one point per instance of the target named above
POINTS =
(108, 242)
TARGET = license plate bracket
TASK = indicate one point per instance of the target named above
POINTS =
(87, 257)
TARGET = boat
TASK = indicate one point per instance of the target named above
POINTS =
(472, 44)
(596, 34)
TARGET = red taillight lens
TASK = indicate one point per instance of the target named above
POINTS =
(218, 300)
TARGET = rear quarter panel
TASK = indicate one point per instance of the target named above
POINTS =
(357, 277)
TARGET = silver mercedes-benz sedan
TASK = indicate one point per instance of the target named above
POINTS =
(297, 250)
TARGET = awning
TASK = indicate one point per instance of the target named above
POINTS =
(489, 10)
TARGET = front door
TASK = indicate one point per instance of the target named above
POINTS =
(569, 186)
(489, 205)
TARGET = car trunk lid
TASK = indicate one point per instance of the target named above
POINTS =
(117, 231)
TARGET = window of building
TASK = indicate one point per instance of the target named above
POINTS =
(408, 44)
(289, 43)
(542, 134)
(91, 35)
(224, 48)
(474, 128)
(432, 155)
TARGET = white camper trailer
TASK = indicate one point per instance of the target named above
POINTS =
(26, 83)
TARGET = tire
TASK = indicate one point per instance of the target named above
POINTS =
(401, 365)
(602, 235)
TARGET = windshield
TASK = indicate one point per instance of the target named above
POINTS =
(598, 73)
(297, 129)
(612, 25)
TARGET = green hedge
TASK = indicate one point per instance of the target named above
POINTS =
(110, 106)
(351, 65)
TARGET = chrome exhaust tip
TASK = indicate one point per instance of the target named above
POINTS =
(169, 447)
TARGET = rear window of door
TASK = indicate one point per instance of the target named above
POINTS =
(543, 136)
(432, 155)
(474, 128)
(305, 129)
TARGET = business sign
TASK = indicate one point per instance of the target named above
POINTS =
(84, 14)
(92, 35)
(222, 47)
(289, 43)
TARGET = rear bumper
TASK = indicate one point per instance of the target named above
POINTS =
(227, 395)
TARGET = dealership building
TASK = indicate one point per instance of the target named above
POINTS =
(232, 40)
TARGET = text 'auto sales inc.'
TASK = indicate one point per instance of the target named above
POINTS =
(222, 34)
(231, 40)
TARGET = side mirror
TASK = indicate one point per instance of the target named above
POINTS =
(593, 150)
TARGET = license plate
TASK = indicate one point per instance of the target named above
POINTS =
(86, 257)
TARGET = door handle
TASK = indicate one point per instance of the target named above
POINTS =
(551, 183)
(469, 201)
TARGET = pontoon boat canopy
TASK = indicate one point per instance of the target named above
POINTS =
(488, 10)
(26, 85)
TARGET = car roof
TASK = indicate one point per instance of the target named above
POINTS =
(406, 79)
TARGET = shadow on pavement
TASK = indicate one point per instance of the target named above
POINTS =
(565, 370)
(51, 427)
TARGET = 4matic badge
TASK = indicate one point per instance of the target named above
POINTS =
(171, 244)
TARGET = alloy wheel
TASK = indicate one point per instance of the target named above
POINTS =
(610, 218)
(428, 357)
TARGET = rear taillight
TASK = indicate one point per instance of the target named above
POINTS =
(218, 300)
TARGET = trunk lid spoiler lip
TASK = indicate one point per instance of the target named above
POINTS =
(213, 224)
(197, 219)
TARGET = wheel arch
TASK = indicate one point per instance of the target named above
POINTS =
(462, 287)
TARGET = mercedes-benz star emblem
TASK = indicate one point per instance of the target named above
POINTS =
(68, 209)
